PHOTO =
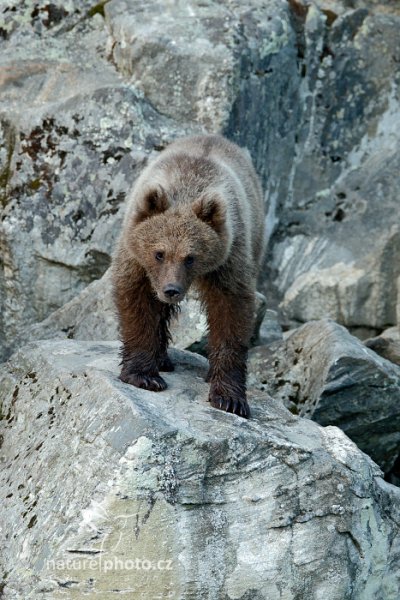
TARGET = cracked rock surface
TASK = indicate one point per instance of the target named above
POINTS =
(322, 372)
(335, 246)
(109, 490)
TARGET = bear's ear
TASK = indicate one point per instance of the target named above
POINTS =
(211, 210)
(153, 202)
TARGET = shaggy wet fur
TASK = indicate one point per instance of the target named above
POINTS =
(194, 217)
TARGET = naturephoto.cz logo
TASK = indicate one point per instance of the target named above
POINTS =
(112, 563)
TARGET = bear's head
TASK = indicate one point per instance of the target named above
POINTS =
(178, 243)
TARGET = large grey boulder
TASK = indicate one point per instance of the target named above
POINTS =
(108, 490)
(90, 315)
(322, 372)
(228, 65)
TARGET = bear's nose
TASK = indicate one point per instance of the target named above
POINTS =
(172, 290)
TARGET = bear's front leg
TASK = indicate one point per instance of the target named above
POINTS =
(143, 329)
(230, 320)
(167, 311)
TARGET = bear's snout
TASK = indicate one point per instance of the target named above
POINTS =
(173, 292)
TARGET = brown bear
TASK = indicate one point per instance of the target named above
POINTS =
(194, 216)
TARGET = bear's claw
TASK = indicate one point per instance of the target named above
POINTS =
(154, 383)
(237, 406)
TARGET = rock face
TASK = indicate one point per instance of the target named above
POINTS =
(90, 315)
(270, 329)
(89, 92)
(386, 347)
(215, 63)
(108, 490)
(324, 373)
(73, 137)
(115, 86)
(335, 247)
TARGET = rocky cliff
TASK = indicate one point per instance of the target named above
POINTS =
(191, 502)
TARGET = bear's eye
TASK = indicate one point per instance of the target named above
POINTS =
(159, 256)
(189, 260)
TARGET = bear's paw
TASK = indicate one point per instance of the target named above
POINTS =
(153, 383)
(229, 402)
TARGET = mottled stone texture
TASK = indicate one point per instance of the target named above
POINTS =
(117, 491)
(73, 138)
(335, 247)
(322, 372)
(89, 91)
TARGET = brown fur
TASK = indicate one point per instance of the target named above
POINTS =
(194, 216)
